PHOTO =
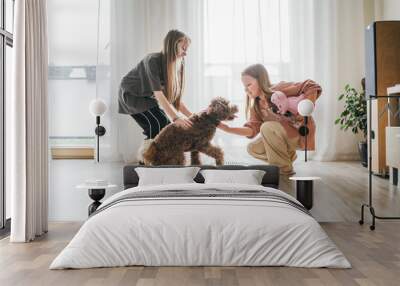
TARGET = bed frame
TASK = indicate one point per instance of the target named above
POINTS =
(270, 179)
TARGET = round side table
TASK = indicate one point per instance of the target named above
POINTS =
(304, 190)
(96, 193)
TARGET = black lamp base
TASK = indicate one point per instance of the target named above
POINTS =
(303, 130)
(100, 130)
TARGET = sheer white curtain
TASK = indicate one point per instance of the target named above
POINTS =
(295, 40)
(339, 59)
(27, 156)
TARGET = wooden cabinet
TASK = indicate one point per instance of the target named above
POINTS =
(382, 71)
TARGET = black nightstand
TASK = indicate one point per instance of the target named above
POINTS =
(304, 190)
(96, 193)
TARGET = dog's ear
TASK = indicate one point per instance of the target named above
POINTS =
(233, 109)
(218, 105)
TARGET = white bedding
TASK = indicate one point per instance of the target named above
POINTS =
(200, 231)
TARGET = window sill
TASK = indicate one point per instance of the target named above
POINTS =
(62, 153)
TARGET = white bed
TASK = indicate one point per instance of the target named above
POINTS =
(207, 230)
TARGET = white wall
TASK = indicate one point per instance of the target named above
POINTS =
(391, 10)
(381, 10)
(66, 202)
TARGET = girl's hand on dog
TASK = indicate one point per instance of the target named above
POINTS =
(183, 122)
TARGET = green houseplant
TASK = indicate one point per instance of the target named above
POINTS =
(354, 116)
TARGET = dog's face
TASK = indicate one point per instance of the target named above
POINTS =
(222, 109)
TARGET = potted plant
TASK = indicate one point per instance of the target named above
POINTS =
(354, 116)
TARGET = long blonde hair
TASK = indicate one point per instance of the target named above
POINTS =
(175, 80)
(258, 72)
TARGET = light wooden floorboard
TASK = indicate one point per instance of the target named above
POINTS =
(375, 256)
(342, 189)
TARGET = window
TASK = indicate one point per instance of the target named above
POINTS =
(249, 31)
(6, 44)
(72, 77)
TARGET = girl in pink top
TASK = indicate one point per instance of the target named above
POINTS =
(279, 133)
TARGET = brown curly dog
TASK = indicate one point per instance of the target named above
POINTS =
(170, 144)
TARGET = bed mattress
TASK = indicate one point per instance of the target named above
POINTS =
(201, 225)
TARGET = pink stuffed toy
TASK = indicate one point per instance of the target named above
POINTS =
(285, 104)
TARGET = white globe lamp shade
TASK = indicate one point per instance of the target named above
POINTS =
(305, 107)
(97, 107)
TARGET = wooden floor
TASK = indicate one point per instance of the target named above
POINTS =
(342, 188)
(374, 255)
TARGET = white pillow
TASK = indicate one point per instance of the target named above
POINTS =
(248, 177)
(165, 176)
